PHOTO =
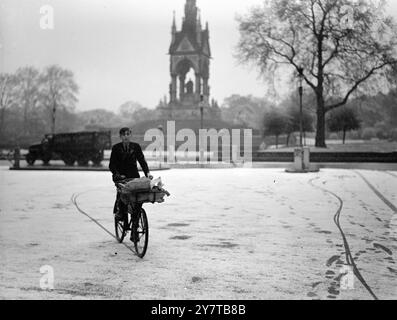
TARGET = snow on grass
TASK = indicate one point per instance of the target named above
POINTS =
(223, 234)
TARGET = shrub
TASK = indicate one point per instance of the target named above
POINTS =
(382, 131)
(368, 133)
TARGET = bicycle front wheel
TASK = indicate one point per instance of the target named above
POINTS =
(143, 234)
(121, 227)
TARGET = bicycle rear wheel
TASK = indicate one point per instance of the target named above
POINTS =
(143, 235)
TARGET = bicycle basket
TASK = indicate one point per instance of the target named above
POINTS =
(142, 197)
(155, 195)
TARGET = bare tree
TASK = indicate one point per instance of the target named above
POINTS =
(99, 118)
(28, 93)
(341, 44)
(245, 110)
(7, 96)
(127, 110)
(58, 90)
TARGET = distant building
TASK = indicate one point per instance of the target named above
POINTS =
(190, 56)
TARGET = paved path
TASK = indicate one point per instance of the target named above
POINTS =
(223, 234)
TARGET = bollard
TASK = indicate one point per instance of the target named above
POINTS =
(302, 162)
(298, 159)
(306, 158)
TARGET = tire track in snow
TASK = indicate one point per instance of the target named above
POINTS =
(74, 198)
(377, 192)
(349, 256)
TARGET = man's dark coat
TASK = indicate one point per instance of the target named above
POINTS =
(123, 161)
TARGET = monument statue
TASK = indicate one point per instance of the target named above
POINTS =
(190, 55)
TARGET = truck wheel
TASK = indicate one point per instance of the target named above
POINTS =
(68, 159)
(30, 159)
(96, 159)
(46, 160)
(82, 161)
(69, 162)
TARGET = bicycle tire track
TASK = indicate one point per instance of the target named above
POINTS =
(377, 192)
(349, 257)
(74, 201)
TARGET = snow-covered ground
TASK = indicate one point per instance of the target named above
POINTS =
(223, 234)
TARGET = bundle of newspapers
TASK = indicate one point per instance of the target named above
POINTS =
(143, 190)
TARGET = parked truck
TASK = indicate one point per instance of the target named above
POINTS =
(71, 147)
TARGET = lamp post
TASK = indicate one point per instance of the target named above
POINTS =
(201, 117)
(300, 89)
(302, 155)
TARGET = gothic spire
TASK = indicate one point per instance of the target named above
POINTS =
(198, 28)
(199, 18)
(173, 24)
(190, 15)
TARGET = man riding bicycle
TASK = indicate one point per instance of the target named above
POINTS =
(123, 165)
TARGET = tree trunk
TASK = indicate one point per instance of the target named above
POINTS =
(288, 136)
(2, 116)
(320, 134)
(344, 136)
(25, 120)
(276, 142)
(54, 109)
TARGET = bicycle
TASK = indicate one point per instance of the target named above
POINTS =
(135, 212)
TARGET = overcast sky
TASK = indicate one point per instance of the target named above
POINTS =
(117, 49)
